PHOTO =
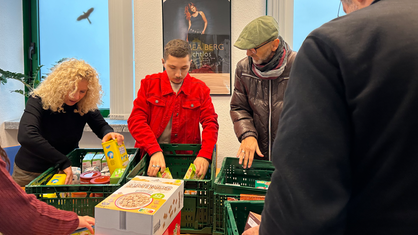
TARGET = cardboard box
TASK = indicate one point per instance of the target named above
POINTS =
(97, 160)
(115, 177)
(116, 155)
(262, 184)
(174, 227)
(143, 206)
(87, 161)
(253, 220)
(57, 179)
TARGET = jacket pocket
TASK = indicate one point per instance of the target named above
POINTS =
(156, 101)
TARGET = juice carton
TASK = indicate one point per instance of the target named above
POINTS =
(57, 179)
(97, 160)
(166, 174)
(116, 155)
(87, 161)
(117, 173)
(104, 162)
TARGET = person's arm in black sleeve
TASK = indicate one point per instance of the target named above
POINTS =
(98, 125)
(311, 187)
(30, 137)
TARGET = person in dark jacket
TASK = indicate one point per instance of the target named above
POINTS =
(346, 155)
(54, 119)
(260, 82)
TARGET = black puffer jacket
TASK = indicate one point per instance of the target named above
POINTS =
(256, 104)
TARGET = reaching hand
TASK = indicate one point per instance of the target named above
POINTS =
(201, 165)
(113, 136)
(86, 222)
(246, 151)
(69, 178)
(157, 161)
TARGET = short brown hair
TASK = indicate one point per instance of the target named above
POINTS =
(177, 48)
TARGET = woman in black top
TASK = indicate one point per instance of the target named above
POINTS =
(54, 119)
(197, 20)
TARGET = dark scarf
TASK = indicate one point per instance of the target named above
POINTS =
(275, 67)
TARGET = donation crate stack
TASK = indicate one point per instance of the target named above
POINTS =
(233, 183)
(196, 215)
(80, 198)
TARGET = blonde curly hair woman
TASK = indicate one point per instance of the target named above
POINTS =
(54, 120)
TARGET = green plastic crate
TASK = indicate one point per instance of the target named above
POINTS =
(237, 215)
(197, 212)
(82, 206)
(233, 180)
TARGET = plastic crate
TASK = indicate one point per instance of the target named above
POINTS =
(197, 212)
(232, 181)
(236, 213)
(82, 206)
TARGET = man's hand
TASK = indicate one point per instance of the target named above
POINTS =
(86, 222)
(113, 136)
(246, 151)
(157, 161)
(201, 165)
(252, 231)
(69, 178)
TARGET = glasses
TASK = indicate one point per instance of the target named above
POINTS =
(254, 50)
(339, 7)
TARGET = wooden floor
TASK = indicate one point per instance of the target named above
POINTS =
(219, 83)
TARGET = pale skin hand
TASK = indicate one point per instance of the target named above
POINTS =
(86, 222)
(252, 231)
(113, 136)
(246, 151)
(69, 178)
(201, 165)
(157, 159)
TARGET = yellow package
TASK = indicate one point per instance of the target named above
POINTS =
(191, 173)
(57, 179)
(166, 174)
(116, 155)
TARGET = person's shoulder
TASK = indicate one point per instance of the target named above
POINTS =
(34, 100)
(152, 78)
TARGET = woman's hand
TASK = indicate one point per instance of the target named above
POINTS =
(157, 161)
(202, 165)
(113, 136)
(86, 222)
(69, 178)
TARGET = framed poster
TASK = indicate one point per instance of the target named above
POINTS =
(206, 25)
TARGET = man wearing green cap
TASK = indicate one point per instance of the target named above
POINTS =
(260, 82)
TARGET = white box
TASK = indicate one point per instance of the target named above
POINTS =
(143, 206)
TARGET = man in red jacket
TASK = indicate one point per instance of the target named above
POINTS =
(169, 107)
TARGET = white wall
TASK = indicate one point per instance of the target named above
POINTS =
(149, 51)
(11, 59)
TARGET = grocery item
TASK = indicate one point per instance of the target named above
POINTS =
(144, 205)
(115, 177)
(87, 161)
(57, 179)
(191, 173)
(253, 220)
(87, 176)
(262, 184)
(116, 155)
(76, 174)
(97, 160)
(166, 174)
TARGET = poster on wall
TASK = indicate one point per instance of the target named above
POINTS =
(206, 25)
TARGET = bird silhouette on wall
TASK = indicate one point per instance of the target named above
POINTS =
(86, 15)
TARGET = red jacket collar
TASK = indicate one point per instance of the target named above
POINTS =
(166, 86)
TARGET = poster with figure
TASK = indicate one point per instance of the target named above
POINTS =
(206, 25)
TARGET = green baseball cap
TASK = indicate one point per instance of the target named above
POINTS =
(258, 31)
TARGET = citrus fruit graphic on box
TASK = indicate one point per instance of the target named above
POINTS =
(116, 155)
(143, 206)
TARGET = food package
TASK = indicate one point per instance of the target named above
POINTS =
(115, 177)
(262, 184)
(87, 161)
(166, 174)
(253, 220)
(144, 205)
(116, 155)
(76, 174)
(97, 160)
(191, 173)
(57, 179)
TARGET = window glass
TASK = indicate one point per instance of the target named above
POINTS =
(309, 15)
(76, 29)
